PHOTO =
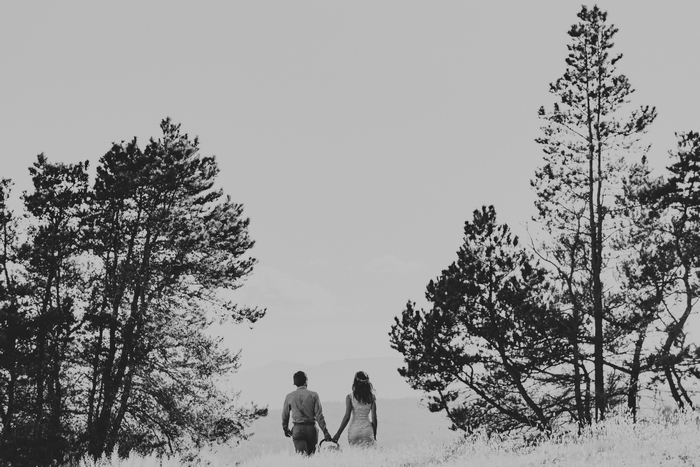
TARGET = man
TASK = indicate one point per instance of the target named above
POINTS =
(306, 411)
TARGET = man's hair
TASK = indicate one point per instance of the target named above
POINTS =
(299, 378)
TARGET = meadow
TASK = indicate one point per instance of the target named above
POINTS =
(669, 440)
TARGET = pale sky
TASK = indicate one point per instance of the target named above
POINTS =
(358, 135)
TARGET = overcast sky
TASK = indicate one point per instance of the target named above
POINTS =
(358, 135)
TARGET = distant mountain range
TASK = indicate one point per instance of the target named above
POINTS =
(269, 385)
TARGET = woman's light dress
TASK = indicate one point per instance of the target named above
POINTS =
(360, 432)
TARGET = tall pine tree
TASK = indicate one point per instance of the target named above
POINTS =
(587, 134)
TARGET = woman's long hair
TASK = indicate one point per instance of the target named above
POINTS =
(362, 389)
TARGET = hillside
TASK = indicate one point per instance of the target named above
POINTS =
(401, 422)
(669, 440)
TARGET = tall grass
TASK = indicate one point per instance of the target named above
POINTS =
(669, 441)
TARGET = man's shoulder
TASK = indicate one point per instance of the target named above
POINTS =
(306, 393)
(301, 390)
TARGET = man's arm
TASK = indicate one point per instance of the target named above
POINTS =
(285, 417)
(318, 410)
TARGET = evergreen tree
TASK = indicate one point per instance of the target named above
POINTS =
(56, 205)
(16, 395)
(165, 243)
(674, 206)
(645, 268)
(489, 345)
(39, 316)
(105, 307)
(587, 134)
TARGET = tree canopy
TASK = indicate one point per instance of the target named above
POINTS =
(106, 299)
(595, 309)
(489, 343)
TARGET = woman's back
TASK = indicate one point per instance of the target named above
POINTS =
(358, 406)
(360, 431)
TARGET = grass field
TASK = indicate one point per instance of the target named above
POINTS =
(668, 441)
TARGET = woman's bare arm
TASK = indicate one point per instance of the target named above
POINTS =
(374, 418)
(346, 418)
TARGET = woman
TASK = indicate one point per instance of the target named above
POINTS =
(362, 402)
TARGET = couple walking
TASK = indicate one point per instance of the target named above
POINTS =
(305, 409)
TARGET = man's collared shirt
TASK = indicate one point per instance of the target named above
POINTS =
(304, 406)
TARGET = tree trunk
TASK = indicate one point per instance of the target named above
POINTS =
(633, 389)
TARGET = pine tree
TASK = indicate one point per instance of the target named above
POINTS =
(587, 134)
(106, 301)
(487, 348)
(675, 224)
